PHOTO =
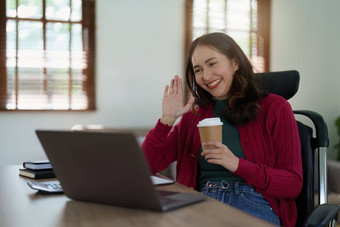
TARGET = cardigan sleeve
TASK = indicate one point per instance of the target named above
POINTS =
(283, 179)
(160, 146)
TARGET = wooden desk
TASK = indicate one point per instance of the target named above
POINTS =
(22, 206)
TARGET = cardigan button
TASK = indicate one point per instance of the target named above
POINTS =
(192, 155)
(192, 188)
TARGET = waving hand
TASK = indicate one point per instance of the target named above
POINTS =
(172, 104)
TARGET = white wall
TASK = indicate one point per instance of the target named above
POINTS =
(139, 49)
(305, 36)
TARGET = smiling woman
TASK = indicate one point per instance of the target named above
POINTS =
(47, 55)
(257, 166)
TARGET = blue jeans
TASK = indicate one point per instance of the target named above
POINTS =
(242, 196)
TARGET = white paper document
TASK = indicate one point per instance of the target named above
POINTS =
(159, 181)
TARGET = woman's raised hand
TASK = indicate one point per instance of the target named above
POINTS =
(172, 104)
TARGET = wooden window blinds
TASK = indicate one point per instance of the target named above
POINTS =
(47, 55)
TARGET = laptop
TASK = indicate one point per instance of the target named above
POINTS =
(107, 168)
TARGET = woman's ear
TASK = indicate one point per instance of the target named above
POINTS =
(235, 64)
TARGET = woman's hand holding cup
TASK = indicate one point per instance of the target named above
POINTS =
(172, 104)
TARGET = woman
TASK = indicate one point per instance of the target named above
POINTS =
(257, 168)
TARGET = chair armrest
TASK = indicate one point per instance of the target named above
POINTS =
(321, 129)
(322, 215)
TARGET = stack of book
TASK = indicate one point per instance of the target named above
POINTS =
(37, 170)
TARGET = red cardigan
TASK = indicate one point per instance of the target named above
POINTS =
(271, 145)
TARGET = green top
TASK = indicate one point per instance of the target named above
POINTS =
(231, 138)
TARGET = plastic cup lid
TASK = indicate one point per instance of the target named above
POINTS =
(215, 121)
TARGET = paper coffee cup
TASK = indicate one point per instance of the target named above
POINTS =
(210, 129)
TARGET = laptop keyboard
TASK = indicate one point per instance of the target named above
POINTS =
(167, 197)
(166, 193)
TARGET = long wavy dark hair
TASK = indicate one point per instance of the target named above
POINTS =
(244, 92)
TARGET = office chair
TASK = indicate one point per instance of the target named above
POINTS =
(313, 151)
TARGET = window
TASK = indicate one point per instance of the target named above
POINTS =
(47, 55)
(246, 21)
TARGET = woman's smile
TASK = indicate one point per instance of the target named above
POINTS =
(214, 84)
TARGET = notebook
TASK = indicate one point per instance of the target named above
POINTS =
(107, 168)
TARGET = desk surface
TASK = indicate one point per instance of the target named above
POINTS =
(22, 206)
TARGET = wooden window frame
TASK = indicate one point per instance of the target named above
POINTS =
(88, 40)
(263, 28)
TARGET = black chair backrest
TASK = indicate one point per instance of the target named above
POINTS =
(286, 84)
